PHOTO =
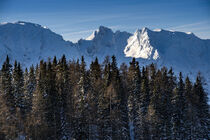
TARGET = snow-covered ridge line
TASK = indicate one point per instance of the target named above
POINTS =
(29, 43)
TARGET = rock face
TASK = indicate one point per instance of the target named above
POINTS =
(29, 43)
(104, 42)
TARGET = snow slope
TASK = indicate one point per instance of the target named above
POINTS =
(29, 43)
(182, 51)
(104, 42)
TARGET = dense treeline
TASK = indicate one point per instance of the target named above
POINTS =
(65, 100)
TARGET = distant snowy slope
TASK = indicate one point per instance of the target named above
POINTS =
(29, 43)
(172, 48)
(104, 42)
(183, 51)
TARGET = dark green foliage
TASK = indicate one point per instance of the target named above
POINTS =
(64, 100)
(8, 122)
(179, 117)
(18, 89)
(202, 109)
(29, 87)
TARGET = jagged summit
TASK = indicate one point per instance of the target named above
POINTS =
(145, 29)
(29, 43)
(100, 32)
(103, 42)
(104, 29)
(139, 46)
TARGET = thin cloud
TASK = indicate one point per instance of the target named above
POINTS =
(189, 25)
(76, 33)
(202, 29)
(67, 33)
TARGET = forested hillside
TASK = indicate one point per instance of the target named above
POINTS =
(65, 100)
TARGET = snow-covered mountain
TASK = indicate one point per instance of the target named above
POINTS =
(29, 43)
(104, 42)
(183, 51)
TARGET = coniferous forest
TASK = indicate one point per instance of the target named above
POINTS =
(67, 100)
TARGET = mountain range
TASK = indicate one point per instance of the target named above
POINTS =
(29, 43)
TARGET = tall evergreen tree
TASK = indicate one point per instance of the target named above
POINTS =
(8, 108)
(18, 90)
(202, 108)
(191, 110)
(80, 116)
(179, 111)
(29, 88)
(154, 107)
(143, 132)
(133, 98)
(95, 91)
(65, 97)
(103, 105)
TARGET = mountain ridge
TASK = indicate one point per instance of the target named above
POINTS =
(29, 43)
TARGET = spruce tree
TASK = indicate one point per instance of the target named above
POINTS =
(202, 108)
(191, 122)
(179, 111)
(8, 108)
(120, 115)
(18, 90)
(29, 88)
(80, 117)
(38, 128)
(95, 91)
(154, 108)
(6, 85)
(64, 96)
(65, 100)
(133, 98)
(103, 106)
(143, 132)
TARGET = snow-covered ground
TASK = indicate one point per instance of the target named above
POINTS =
(29, 43)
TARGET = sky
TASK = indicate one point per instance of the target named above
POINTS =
(76, 19)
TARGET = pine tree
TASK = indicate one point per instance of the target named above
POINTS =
(165, 106)
(103, 106)
(191, 122)
(95, 90)
(142, 132)
(6, 85)
(120, 110)
(18, 90)
(29, 88)
(37, 124)
(202, 109)
(133, 98)
(64, 100)
(80, 117)
(179, 111)
(8, 108)
(65, 97)
(154, 108)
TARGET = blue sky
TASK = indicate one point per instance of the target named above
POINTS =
(75, 19)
